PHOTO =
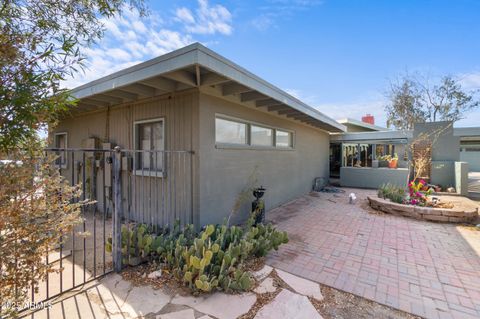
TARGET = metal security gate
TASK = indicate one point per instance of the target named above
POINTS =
(126, 187)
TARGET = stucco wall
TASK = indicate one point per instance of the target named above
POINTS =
(472, 158)
(224, 172)
(368, 177)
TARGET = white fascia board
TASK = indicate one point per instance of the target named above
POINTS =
(378, 135)
(163, 64)
(466, 131)
(229, 69)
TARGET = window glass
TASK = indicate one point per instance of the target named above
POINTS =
(231, 132)
(150, 140)
(261, 136)
(284, 139)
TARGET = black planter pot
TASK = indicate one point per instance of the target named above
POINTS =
(258, 205)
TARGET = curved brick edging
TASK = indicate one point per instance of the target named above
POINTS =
(450, 215)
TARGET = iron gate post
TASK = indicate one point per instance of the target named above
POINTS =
(117, 210)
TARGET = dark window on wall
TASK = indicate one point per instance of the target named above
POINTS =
(232, 132)
(150, 142)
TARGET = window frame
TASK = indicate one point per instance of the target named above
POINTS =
(231, 119)
(273, 130)
(291, 139)
(136, 143)
(63, 164)
(248, 144)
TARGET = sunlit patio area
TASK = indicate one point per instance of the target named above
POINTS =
(425, 268)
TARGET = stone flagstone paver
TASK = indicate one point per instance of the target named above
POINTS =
(265, 286)
(302, 286)
(182, 314)
(214, 304)
(428, 269)
(288, 305)
(262, 273)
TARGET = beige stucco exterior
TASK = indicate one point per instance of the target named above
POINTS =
(219, 173)
(224, 171)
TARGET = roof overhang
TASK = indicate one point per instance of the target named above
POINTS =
(372, 137)
(196, 66)
(360, 124)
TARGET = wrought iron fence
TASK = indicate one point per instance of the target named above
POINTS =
(126, 187)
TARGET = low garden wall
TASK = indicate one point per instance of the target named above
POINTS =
(451, 215)
(371, 177)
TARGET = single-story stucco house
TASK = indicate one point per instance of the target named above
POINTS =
(228, 126)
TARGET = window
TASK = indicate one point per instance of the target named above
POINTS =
(60, 140)
(150, 141)
(230, 132)
(261, 136)
(284, 139)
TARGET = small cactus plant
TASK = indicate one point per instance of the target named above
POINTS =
(210, 260)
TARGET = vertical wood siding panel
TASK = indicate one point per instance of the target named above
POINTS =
(144, 192)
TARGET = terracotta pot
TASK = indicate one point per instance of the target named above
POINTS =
(393, 163)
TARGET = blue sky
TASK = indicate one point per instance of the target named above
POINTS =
(335, 55)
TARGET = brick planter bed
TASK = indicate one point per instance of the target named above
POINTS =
(451, 215)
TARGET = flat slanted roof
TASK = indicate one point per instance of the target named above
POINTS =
(371, 127)
(197, 66)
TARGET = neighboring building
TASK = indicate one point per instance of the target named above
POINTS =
(367, 124)
(469, 146)
(354, 154)
(193, 100)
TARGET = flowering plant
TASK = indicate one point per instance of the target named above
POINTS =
(417, 197)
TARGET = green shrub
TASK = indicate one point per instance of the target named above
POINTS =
(395, 193)
(213, 259)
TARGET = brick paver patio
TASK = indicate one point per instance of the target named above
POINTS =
(428, 269)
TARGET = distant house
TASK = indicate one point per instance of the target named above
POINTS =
(353, 125)
(193, 128)
(355, 154)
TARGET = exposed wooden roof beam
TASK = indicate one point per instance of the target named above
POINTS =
(197, 75)
(213, 79)
(252, 96)
(234, 88)
(95, 102)
(122, 94)
(288, 112)
(266, 102)
(108, 99)
(162, 84)
(278, 107)
(298, 115)
(139, 89)
(182, 76)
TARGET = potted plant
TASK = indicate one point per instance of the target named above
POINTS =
(393, 162)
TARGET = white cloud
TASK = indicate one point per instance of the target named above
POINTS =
(470, 81)
(185, 15)
(275, 10)
(130, 39)
(207, 19)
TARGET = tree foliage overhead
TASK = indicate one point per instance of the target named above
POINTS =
(413, 99)
(41, 44)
